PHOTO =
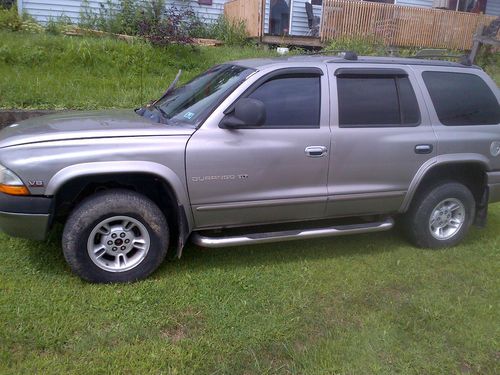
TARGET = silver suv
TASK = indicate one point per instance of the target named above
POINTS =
(260, 151)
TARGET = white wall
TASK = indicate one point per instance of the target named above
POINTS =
(493, 7)
(43, 10)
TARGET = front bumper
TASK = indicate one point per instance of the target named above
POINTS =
(25, 216)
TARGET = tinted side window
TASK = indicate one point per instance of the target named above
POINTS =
(375, 101)
(462, 99)
(291, 101)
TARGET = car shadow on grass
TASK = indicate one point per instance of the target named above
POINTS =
(196, 258)
(46, 257)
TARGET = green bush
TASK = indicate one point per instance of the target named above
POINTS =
(59, 25)
(365, 46)
(124, 17)
(231, 33)
(10, 19)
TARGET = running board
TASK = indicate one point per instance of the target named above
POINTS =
(300, 234)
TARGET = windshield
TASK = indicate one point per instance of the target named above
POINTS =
(191, 102)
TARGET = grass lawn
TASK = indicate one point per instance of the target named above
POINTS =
(363, 304)
(45, 72)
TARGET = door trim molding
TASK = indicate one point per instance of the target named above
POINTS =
(262, 203)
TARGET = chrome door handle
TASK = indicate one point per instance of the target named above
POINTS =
(424, 149)
(316, 151)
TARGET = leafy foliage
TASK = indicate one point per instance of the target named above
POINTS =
(10, 19)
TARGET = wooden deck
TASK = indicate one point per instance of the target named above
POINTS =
(291, 40)
(392, 25)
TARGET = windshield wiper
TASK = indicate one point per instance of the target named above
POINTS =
(169, 89)
(154, 104)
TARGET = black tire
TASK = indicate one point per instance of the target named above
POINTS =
(417, 219)
(106, 205)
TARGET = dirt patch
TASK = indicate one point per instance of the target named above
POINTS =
(189, 324)
(175, 334)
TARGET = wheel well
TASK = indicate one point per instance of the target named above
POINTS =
(471, 175)
(155, 188)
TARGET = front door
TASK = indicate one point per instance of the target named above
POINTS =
(273, 173)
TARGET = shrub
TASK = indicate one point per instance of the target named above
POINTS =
(174, 27)
(7, 4)
(57, 26)
(361, 45)
(124, 17)
(231, 33)
(10, 19)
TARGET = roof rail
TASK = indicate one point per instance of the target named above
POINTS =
(442, 54)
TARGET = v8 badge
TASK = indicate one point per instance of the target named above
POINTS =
(35, 183)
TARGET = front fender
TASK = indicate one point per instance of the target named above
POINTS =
(109, 167)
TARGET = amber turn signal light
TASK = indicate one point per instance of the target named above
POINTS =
(14, 190)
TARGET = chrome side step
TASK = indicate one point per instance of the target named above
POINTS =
(258, 238)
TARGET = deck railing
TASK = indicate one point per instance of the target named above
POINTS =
(400, 25)
(393, 25)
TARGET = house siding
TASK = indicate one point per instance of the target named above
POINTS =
(43, 10)
(416, 3)
(208, 13)
(493, 7)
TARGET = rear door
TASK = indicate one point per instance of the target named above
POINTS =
(381, 137)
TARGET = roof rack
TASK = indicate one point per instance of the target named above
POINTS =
(346, 55)
(442, 54)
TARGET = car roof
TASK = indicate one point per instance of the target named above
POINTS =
(261, 63)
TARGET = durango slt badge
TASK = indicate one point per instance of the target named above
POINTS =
(220, 178)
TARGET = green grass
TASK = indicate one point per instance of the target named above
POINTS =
(43, 71)
(354, 305)
(364, 304)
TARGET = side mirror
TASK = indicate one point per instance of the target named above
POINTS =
(247, 112)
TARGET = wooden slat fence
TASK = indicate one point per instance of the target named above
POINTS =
(249, 11)
(400, 25)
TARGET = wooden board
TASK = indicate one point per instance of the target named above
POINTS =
(248, 11)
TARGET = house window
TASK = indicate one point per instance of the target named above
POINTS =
(205, 2)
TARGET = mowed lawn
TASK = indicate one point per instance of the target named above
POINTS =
(365, 304)
(350, 305)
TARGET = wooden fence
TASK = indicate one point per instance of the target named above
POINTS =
(400, 25)
(248, 11)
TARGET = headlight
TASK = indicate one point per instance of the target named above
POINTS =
(10, 183)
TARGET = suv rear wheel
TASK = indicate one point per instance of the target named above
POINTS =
(441, 217)
(115, 236)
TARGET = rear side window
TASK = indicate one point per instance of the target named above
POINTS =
(376, 101)
(462, 99)
(291, 101)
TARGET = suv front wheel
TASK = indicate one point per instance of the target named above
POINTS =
(441, 217)
(115, 236)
